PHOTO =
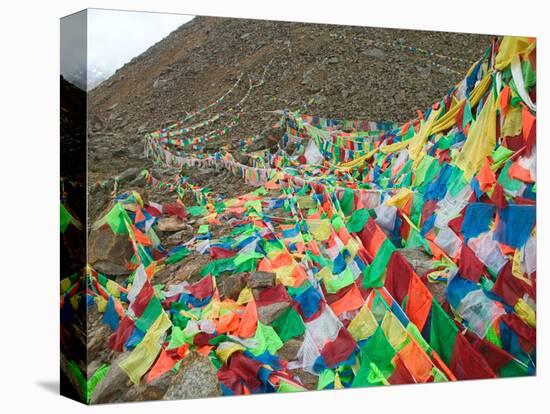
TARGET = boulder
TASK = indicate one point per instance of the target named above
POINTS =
(260, 280)
(232, 285)
(196, 378)
(178, 237)
(420, 261)
(290, 349)
(109, 253)
(308, 380)
(186, 270)
(113, 385)
(171, 223)
(128, 175)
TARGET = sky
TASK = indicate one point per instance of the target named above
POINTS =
(114, 38)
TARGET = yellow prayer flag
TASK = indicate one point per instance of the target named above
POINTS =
(101, 303)
(417, 142)
(510, 47)
(525, 312)
(112, 288)
(394, 331)
(245, 296)
(145, 353)
(225, 349)
(320, 229)
(363, 325)
(481, 140)
(401, 198)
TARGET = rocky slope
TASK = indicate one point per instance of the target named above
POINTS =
(351, 72)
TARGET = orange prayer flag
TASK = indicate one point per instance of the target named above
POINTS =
(505, 249)
(139, 216)
(228, 323)
(486, 177)
(518, 172)
(118, 308)
(299, 275)
(164, 363)
(504, 99)
(150, 270)
(265, 265)
(416, 361)
(271, 185)
(312, 244)
(140, 237)
(344, 234)
(204, 350)
(249, 319)
(350, 301)
(419, 302)
(282, 259)
(376, 241)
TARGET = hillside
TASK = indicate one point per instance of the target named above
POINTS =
(350, 72)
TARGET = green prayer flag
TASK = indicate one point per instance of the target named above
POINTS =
(254, 204)
(95, 379)
(176, 339)
(267, 340)
(244, 257)
(217, 267)
(116, 218)
(285, 386)
(65, 218)
(368, 374)
(380, 351)
(346, 203)
(289, 325)
(373, 273)
(336, 282)
(357, 221)
(442, 333)
(513, 369)
(500, 155)
(150, 314)
(196, 210)
(326, 378)
(176, 257)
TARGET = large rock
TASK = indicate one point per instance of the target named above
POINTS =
(109, 253)
(260, 280)
(186, 270)
(232, 285)
(179, 237)
(113, 385)
(128, 175)
(308, 380)
(290, 349)
(420, 261)
(196, 378)
(172, 223)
